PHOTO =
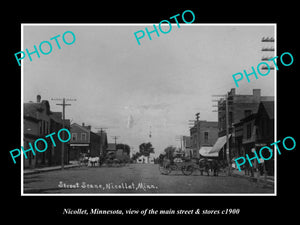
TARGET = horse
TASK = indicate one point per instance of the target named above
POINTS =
(93, 161)
(204, 165)
(213, 165)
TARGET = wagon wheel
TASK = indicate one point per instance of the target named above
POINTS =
(170, 167)
(187, 170)
(162, 169)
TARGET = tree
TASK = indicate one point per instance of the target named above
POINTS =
(125, 148)
(136, 155)
(170, 151)
(146, 149)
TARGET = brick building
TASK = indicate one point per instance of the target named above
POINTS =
(84, 141)
(203, 133)
(239, 107)
(39, 121)
(255, 131)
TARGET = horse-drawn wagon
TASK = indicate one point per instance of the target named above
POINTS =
(188, 166)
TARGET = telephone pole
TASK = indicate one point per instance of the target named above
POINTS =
(195, 124)
(63, 104)
(115, 137)
(227, 127)
(101, 138)
(269, 48)
(198, 135)
(180, 138)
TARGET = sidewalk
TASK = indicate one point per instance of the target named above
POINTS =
(256, 178)
(47, 169)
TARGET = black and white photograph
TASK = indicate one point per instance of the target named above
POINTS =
(143, 109)
(143, 113)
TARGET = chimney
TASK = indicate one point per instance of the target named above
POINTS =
(256, 92)
(232, 91)
(256, 95)
(83, 124)
(38, 98)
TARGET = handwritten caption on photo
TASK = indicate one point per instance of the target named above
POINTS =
(109, 186)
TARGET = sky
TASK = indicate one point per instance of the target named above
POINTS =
(133, 89)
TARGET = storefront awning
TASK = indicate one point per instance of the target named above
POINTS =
(219, 144)
(205, 151)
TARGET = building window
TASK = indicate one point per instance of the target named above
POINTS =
(74, 136)
(83, 136)
(205, 137)
(249, 129)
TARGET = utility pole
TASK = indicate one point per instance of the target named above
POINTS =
(227, 136)
(198, 135)
(179, 138)
(227, 127)
(270, 40)
(194, 124)
(63, 104)
(269, 48)
(115, 137)
(101, 146)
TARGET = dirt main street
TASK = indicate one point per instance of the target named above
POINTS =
(135, 178)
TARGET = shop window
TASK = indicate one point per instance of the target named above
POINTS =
(74, 136)
(205, 137)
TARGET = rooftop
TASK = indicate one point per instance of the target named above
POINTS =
(269, 108)
(111, 147)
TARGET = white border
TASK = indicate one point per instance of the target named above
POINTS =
(158, 194)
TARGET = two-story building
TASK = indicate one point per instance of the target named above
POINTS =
(39, 121)
(84, 141)
(203, 134)
(255, 131)
(239, 107)
(265, 130)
